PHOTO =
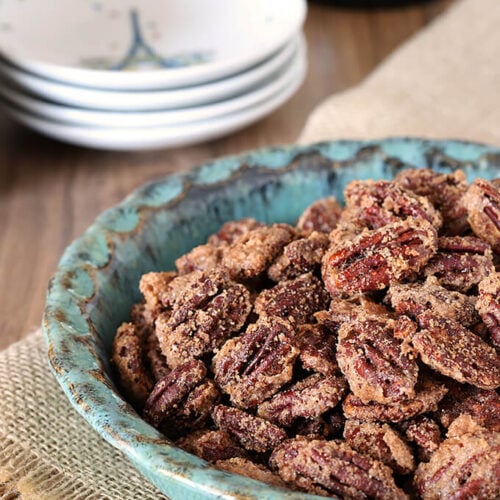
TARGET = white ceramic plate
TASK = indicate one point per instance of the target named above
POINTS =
(124, 44)
(159, 137)
(119, 100)
(106, 119)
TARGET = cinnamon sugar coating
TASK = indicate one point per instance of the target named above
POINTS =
(382, 443)
(488, 305)
(482, 201)
(444, 191)
(211, 308)
(308, 399)
(336, 352)
(464, 466)
(250, 469)
(378, 203)
(333, 468)
(135, 380)
(322, 216)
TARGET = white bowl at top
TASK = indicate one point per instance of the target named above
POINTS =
(151, 44)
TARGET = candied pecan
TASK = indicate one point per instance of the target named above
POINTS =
(253, 367)
(251, 432)
(382, 443)
(250, 469)
(482, 201)
(466, 465)
(347, 310)
(232, 230)
(316, 428)
(378, 203)
(322, 215)
(182, 400)
(414, 298)
(317, 346)
(200, 258)
(488, 305)
(444, 191)
(425, 433)
(452, 350)
(211, 445)
(156, 360)
(127, 355)
(300, 256)
(294, 300)
(482, 405)
(155, 288)
(378, 366)
(333, 468)
(254, 251)
(376, 258)
(211, 309)
(461, 262)
(308, 398)
(428, 394)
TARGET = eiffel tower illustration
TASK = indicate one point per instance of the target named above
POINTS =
(142, 53)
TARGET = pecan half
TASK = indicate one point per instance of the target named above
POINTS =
(428, 394)
(466, 465)
(253, 367)
(377, 365)
(254, 251)
(300, 256)
(482, 405)
(250, 469)
(413, 299)
(482, 201)
(127, 355)
(211, 445)
(378, 203)
(308, 398)
(449, 348)
(182, 400)
(488, 305)
(251, 432)
(211, 309)
(232, 230)
(322, 215)
(155, 289)
(425, 433)
(382, 443)
(376, 258)
(444, 191)
(461, 262)
(295, 300)
(333, 468)
(200, 258)
(317, 346)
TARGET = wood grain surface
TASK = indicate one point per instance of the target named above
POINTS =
(50, 192)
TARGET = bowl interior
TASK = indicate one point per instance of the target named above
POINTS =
(97, 279)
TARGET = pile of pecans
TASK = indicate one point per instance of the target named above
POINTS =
(352, 355)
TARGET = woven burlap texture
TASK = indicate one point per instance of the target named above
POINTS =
(443, 83)
(46, 449)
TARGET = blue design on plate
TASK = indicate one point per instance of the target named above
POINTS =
(142, 55)
(96, 281)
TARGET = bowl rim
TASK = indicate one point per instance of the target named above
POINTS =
(67, 326)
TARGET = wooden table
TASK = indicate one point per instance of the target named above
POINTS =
(50, 192)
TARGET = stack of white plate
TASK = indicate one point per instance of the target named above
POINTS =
(120, 74)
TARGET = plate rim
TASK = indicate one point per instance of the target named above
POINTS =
(109, 100)
(75, 116)
(166, 78)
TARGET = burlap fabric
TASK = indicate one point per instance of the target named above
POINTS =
(444, 83)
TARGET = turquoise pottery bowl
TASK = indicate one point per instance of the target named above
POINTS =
(96, 281)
